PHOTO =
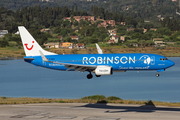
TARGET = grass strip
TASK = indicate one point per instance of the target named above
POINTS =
(89, 99)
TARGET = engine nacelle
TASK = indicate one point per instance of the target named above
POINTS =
(104, 70)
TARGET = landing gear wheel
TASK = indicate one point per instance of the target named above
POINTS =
(157, 75)
(98, 75)
(89, 76)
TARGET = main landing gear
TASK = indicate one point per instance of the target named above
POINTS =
(90, 76)
(157, 74)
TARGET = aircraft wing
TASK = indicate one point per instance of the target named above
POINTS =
(99, 49)
(69, 66)
(78, 67)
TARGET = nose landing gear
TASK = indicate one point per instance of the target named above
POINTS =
(157, 74)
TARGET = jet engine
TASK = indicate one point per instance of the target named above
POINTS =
(104, 70)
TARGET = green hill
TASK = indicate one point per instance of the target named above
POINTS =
(146, 9)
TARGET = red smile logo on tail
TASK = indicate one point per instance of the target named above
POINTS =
(30, 47)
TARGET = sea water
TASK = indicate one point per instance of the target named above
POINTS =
(21, 79)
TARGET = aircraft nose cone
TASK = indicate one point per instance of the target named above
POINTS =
(171, 63)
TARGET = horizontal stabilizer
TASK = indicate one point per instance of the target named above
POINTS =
(99, 49)
(43, 57)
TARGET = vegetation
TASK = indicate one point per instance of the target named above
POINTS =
(35, 18)
(90, 99)
(14, 52)
(94, 97)
(11, 53)
(144, 9)
(38, 15)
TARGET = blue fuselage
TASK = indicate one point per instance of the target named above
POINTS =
(119, 62)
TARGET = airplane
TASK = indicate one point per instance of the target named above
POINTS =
(100, 64)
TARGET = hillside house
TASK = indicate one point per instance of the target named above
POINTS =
(66, 45)
(111, 41)
(80, 45)
(78, 18)
(60, 38)
(144, 30)
(159, 43)
(157, 39)
(67, 18)
(112, 32)
(106, 22)
(123, 23)
(154, 29)
(45, 30)
(52, 45)
(122, 38)
(130, 29)
(76, 31)
(134, 44)
(74, 37)
(3, 32)
(115, 38)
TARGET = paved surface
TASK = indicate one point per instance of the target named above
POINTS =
(79, 111)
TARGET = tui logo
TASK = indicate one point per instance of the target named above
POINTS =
(28, 47)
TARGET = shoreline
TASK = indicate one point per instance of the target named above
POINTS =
(11, 58)
(13, 53)
(29, 100)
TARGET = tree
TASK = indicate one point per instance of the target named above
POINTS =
(1, 18)
(93, 40)
(75, 23)
(68, 39)
(63, 32)
(72, 10)
(3, 43)
(76, 7)
(164, 31)
(136, 36)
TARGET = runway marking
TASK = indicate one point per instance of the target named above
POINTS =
(35, 117)
(63, 117)
(102, 118)
(19, 116)
(51, 107)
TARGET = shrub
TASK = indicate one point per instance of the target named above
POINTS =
(94, 97)
(12, 43)
(61, 101)
(113, 98)
(3, 97)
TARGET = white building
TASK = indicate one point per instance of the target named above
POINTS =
(3, 32)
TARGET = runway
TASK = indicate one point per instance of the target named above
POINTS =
(85, 111)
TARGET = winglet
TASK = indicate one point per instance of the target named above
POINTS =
(99, 49)
(43, 57)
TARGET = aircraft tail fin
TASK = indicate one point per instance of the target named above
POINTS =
(99, 49)
(31, 47)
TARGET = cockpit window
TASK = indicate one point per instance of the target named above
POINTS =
(163, 59)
